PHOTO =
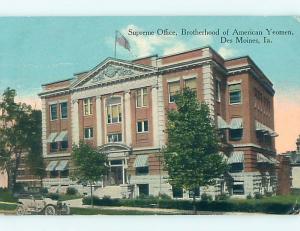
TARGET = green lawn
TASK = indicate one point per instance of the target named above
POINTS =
(4, 206)
(96, 211)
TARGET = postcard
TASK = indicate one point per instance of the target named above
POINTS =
(185, 115)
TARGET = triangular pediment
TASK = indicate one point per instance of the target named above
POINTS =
(110, 70)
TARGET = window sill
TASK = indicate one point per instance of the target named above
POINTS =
(53, 120)
(146, 132)
(235, 104)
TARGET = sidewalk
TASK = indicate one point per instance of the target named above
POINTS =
(77, 203)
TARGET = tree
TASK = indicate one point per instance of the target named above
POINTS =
(191, 156)
(20, 132)
(34, 159)
(90, 165)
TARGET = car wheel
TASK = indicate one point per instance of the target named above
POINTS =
(20, 210)
(50, 210)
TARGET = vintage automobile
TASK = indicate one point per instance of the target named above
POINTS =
(36, 204)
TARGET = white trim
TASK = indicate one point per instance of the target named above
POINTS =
(187, 77)
(233, 82)
(176, 79)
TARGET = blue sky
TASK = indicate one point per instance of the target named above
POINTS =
(37, 50)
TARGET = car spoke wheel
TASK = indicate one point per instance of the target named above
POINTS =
(20, 210)
(50, 210)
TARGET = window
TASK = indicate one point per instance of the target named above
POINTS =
(116, 162)
(64, 110)
(87, 106)
(196, 191)
(235, 134)
(238, 188)
(235, 94)
(64, 173)
(53, 147)
(218, 90)
(143, 189)
(53, 111)
(191, 84)
(142, 126)
(236, 167)
(142, 97)
(88, 133)
(174, 89)
(142, 170)
(116, 137)
(64, 145)
(177, 192)
(114, 111)
(53, 174)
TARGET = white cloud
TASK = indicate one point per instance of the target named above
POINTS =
(227, 52)
(297, 18)
(176, 48)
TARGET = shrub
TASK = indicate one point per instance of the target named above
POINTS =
(53, 196)
(44, 191)
(164, 196)
(258, 196)
(269, 194)
(206, 197)
(105, 201)
(222, 197)
(6, 195)
(249, 196)
(71, 191)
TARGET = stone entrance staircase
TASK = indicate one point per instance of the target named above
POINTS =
(114, 191)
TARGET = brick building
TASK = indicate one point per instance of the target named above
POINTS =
(120, 106)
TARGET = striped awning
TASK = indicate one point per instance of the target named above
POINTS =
(63, 136)
(51, 137)
(63, 165)
(141, 161)
(262, 159)
(261, 127)
(273, 160)
(236, 157)
(222, 123)
(236, 123)
(51, 166)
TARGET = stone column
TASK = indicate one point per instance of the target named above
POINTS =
(99, 125)
(75, 121)
(44, 127)
(127, 117)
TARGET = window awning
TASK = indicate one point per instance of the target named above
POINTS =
(51, 137)
(51, 166)
(236, 123)
(262, 159)
(63, 165)
(222, 123)
(63, 136)
(236, 157)
(141, 161)
(261, 127)
(273, 160)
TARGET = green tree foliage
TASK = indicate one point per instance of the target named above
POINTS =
(191, 156)
(20, 132)
(90, 165)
